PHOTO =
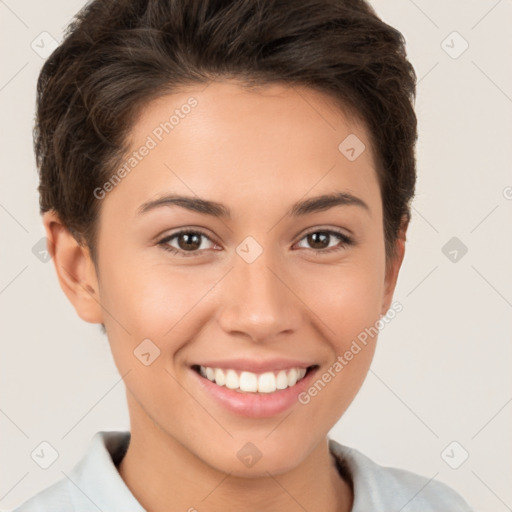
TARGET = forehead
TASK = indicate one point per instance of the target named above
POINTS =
(236, 110)
(273, 140)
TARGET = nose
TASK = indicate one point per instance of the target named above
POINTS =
(258, 300)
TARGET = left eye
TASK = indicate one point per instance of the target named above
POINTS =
(319, 237)
(190, 242)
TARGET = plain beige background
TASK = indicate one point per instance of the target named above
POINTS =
(441, 373)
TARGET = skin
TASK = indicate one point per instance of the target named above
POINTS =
(258, 152)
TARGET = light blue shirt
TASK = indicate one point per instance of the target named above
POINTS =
(95, 484)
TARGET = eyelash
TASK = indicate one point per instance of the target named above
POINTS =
(345, 241)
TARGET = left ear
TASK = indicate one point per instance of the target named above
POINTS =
(393, 267)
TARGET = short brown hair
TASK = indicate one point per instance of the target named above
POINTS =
(117, 55)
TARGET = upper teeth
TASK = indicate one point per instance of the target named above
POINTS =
(267, 382)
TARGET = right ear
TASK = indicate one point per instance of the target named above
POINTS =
(75, 269)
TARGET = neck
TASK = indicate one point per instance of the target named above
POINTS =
(162, 474)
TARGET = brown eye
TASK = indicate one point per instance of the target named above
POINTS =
(188, 242)
(320, 240)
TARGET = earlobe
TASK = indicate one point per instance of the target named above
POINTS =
(75, 269)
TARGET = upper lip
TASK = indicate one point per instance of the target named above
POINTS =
(256, 366)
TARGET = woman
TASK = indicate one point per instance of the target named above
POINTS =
(225, 188)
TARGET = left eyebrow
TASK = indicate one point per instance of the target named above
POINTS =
(326, 201)
(215, 209)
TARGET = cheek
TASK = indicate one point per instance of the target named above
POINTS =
(357, 304)
(353, 306)
(152, 302)
(346, 298)
(350, 308)
(353, 313)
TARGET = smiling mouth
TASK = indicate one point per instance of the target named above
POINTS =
(249, 382)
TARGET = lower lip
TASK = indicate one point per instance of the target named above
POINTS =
(255, 405)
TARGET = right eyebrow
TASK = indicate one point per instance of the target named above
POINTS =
(190, 203)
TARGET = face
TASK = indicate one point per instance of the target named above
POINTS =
(259, 286)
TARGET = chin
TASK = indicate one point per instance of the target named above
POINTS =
(256, 460)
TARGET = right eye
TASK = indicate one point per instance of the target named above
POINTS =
(188, 239)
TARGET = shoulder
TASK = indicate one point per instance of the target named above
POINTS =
(55, 497)
(93, 483)
(378, 488)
